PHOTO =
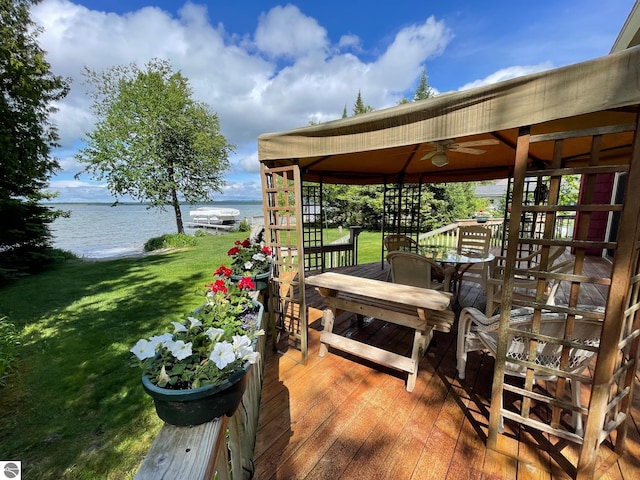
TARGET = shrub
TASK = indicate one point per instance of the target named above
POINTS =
(173, 240)
(244, 226)
(8, 348)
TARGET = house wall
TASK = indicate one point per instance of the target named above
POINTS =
(598, 220)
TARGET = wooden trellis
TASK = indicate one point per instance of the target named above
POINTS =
(281, 199)
(607, 392)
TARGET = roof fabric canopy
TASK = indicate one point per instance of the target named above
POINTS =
(388, 144)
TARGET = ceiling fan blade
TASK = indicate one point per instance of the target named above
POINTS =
(472, 151)
(428, 155)
(478, 143)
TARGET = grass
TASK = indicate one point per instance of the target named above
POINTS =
(74, 408)
(77, 409)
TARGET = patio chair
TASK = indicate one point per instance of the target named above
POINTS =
(475, 240)
(419, 271)
(525, 285)
(476, 332)
(396, 242)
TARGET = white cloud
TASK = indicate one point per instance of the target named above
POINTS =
(287, 32)
(414, 44)
(69, 164)
(250, 163)
(248, 190)
(507, 73)
(349, 41)
(284, 75)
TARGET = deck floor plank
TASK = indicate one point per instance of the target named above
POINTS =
(342, 417)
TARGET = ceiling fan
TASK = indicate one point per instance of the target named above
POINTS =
(439, 156)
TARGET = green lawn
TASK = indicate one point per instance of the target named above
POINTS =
(75, 408)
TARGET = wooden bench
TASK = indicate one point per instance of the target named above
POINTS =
(421, 309)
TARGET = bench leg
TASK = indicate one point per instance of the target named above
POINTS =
(420, 342)
(328, 318)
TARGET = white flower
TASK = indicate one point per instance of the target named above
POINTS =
(222, 354)
(144, 349)
(248, 265)
(194, 322)
(179, 349)
(242, 346)
(214, 333)
(241, 341)
(259, 257)
(160, 339)
(178, 327)
(251, 357)
(163, 379)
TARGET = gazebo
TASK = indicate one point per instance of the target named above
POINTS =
(578, 120)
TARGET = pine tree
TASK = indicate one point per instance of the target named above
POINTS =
(359, 107)
(27, 91)
(424, 90)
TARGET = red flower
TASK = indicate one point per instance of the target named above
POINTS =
(246, 243)
(266, 250)
(233, 251)
(218, 286)
(245, 283)
(223, 271)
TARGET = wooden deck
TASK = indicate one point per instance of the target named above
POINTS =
(340, 417)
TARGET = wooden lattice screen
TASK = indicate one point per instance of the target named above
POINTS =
(606, 392)
(401, 211)
(281, 193)
(312, 225)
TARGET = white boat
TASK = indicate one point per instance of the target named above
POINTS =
(215, 215)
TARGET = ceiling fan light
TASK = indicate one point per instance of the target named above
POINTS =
(439, 159)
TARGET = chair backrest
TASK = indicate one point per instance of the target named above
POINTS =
(585, 332)
(416, 270)
(397, 242)
(474, 239)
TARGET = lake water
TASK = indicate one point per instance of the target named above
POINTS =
(103, 231)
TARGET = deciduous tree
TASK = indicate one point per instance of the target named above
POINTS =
(152, 140)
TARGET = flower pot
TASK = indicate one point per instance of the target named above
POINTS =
(198, 405)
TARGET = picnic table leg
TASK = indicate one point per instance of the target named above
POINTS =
(421, 340)
(328, 318)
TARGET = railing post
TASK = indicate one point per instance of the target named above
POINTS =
(354, 231)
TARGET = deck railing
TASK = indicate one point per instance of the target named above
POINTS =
(342, 252)
(446, 238)
(222, 448)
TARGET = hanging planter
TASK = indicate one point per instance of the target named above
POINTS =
(198, 405)
(200, 371)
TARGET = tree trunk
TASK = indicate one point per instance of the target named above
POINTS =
(176, 209)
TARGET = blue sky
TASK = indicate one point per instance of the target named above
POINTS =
(267, 66)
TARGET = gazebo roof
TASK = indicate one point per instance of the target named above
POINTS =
(380, 146)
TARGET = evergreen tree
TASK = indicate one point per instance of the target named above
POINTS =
(344, 112)
(26, 138)
(424, 90)
(359, 107)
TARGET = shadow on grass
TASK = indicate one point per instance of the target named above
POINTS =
(75, 408)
